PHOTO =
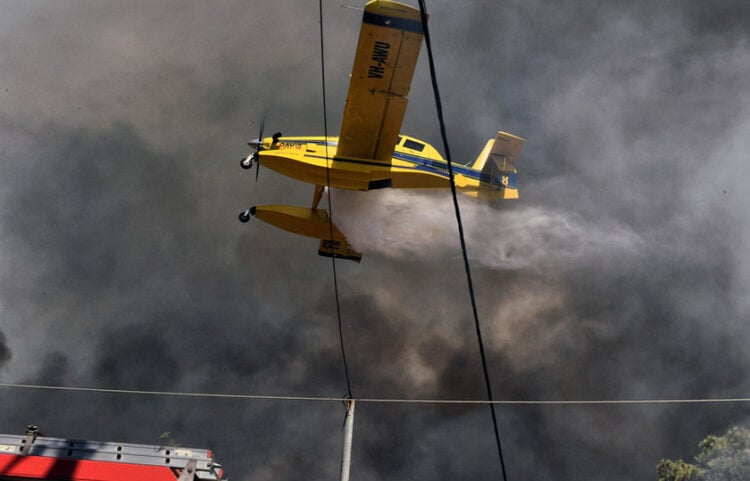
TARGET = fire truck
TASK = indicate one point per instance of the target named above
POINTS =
(35, 456)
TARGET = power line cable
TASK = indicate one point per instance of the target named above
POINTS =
(330, 204)
(439, 107)
(266, 397)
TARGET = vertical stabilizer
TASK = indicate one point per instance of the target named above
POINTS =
(497, 166)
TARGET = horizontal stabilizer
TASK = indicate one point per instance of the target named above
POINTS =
(501, 153)
(309, 223)
(508, 146)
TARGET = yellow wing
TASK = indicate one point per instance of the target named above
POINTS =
(389, 43)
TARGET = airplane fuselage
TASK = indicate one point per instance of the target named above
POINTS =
(415, 165)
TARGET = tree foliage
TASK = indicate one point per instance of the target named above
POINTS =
(721, 458)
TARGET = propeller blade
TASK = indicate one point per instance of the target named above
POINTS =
(260, 138)
(257, 144)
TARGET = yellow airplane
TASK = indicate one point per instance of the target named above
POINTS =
(370, 153)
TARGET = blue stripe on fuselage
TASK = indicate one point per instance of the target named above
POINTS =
(437, 166)
(425, 164)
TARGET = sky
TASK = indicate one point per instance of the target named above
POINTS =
(622, 271)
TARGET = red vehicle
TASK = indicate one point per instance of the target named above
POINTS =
(34, 456)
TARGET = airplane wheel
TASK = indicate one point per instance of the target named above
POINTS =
(246, 165)
(244, 216)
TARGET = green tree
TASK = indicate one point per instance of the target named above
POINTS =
(722, 458)
(676, 470)
(170, 440)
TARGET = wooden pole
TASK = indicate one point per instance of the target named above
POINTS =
(346, 459)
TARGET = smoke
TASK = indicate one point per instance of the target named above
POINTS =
(403, 225)
(5, 353)
(621, 273)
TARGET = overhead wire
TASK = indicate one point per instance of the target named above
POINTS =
(330, 205)
(267, 397)
(467, 268)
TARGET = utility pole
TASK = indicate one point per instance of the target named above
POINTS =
(346, 459)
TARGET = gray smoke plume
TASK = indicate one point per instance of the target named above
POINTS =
(5, 353)
(621, 273)
(403, 224)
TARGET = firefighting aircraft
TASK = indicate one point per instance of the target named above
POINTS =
(370, 153)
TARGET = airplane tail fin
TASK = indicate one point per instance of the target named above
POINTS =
(497, 163)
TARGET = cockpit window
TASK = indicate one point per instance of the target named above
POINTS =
(410, 144)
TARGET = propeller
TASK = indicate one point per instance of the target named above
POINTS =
(252, 157)
(257, 144)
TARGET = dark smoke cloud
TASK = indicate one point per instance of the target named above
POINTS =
(5, 353)
(621, 273)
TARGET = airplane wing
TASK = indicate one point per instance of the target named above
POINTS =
(389, 43)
